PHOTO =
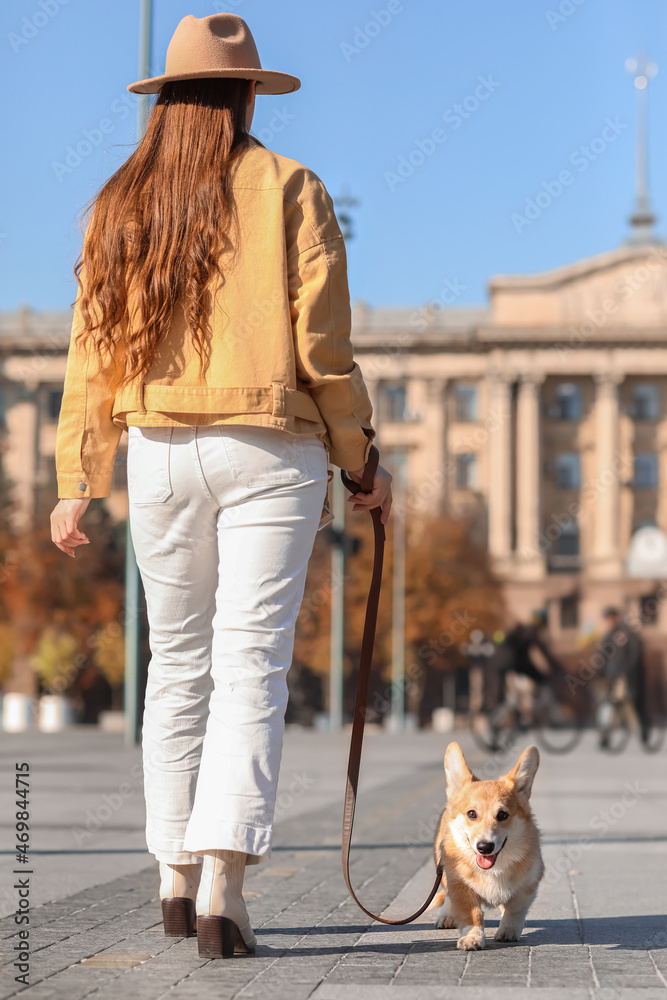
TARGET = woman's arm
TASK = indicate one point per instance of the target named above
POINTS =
(321, 323)
(321, 320)
(86, 438)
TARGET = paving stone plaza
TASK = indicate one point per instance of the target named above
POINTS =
(597, 929)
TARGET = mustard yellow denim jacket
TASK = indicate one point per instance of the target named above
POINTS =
(281, 354)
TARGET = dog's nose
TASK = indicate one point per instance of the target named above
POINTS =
(485, 846)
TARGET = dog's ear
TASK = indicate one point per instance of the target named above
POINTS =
(456, 769)
(523, 774)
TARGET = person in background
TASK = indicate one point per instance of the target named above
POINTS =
(623, 668)
(523, 642)
(521, 647)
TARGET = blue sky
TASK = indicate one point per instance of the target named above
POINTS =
(534, 82)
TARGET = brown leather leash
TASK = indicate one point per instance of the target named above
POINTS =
(361, 701)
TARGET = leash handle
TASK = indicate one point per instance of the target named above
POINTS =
(367, 478)
(361, 700)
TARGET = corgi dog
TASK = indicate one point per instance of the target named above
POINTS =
(489, 846)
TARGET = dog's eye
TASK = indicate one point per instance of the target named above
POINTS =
(502, 815)
(471, 814)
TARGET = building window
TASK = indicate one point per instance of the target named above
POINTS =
(568, 470)
(563, 555)
(54, 400)
(568, 401)
(646, 470)
(466, 472)
(395, 397)
(648, 609)
(567, 543)
(466, 402)
(646, 399)
(569, 611)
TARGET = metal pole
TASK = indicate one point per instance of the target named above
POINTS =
(145, 24)
(338, 504)
(397, 718)
(131, 689)
(133, 681)
(339, 507)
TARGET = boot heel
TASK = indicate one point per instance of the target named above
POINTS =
(178, 915)
(216, 936)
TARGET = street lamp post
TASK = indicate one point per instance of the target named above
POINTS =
(397, 716)
(132, 691)
(145, 33)
(339, 506)
(337, 606)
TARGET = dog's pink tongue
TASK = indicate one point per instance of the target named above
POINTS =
(485, 860)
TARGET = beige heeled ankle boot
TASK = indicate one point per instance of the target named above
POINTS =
(223, 925)
(178, 892)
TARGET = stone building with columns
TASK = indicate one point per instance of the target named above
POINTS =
(546, 415)
(33, 358)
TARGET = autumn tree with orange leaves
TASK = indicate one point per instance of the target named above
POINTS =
(48, 597)
(450, 589)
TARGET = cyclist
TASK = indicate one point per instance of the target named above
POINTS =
(515, 651)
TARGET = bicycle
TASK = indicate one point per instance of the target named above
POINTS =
(558, 728)
(616, 720)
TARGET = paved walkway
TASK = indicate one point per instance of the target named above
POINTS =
(597, 929)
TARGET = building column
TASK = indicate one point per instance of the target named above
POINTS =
(609, 468)
(499, 452)
(433, 465)
(530, 562)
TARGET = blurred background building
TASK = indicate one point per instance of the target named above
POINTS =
(33, 357)
(544, 414)
(541, 415)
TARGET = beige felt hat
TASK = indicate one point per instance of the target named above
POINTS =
(220, 45)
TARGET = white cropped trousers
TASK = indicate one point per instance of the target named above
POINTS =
(223, 519)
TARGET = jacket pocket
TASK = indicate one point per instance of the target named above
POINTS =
(149, 464)
(261, 457)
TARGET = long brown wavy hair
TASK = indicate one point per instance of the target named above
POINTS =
(160, 224)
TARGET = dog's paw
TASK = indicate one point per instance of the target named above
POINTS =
(507, 934)
(472, 939)
(445, 916)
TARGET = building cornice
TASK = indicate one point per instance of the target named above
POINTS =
(558, 276)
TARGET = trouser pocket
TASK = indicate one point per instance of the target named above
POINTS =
(149, 464)
(260, 457)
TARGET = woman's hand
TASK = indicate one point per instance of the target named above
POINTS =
(64, 519)
(380, 495)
